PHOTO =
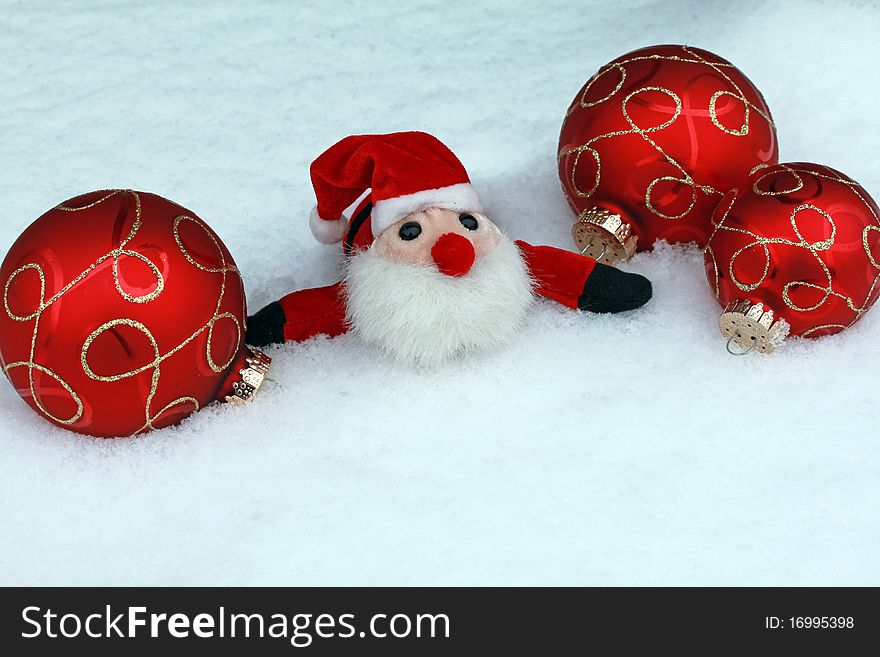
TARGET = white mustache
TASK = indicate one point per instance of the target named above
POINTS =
(417, 315)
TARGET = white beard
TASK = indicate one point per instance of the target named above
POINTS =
(418, 315)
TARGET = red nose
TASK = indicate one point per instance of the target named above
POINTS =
(453, 254)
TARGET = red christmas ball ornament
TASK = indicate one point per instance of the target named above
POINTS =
(795, 249)
(652, 142)
(123, 312)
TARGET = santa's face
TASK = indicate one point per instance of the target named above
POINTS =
(451, 241)
(436, 284)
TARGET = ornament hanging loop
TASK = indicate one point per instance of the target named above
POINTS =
(732, 340)
(597, 258)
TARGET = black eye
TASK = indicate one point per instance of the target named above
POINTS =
(469, 221)
(409, 231)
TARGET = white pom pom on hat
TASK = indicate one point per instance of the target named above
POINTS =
(327, 231)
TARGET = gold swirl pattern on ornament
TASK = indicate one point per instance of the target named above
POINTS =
(683, 177)
(814, 248)
(158, 358)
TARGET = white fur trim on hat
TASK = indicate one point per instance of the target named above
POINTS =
(327, 231)
(461, 197)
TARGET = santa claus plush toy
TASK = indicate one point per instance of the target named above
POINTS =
(427, 274)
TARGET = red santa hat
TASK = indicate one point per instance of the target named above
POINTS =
(404, 171)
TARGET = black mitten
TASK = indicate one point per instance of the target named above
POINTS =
(610, 290)
(266, 326)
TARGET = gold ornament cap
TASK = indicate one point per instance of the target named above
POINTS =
(752, 326)
(252, 377)
(604, 236)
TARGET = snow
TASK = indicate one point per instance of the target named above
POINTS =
(624, 449)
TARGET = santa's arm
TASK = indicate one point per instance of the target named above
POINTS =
(299, 316)
(578, 281)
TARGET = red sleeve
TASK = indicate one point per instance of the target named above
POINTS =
(559, 274)
(317, 311)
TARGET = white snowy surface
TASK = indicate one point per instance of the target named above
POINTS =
(625, 449)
